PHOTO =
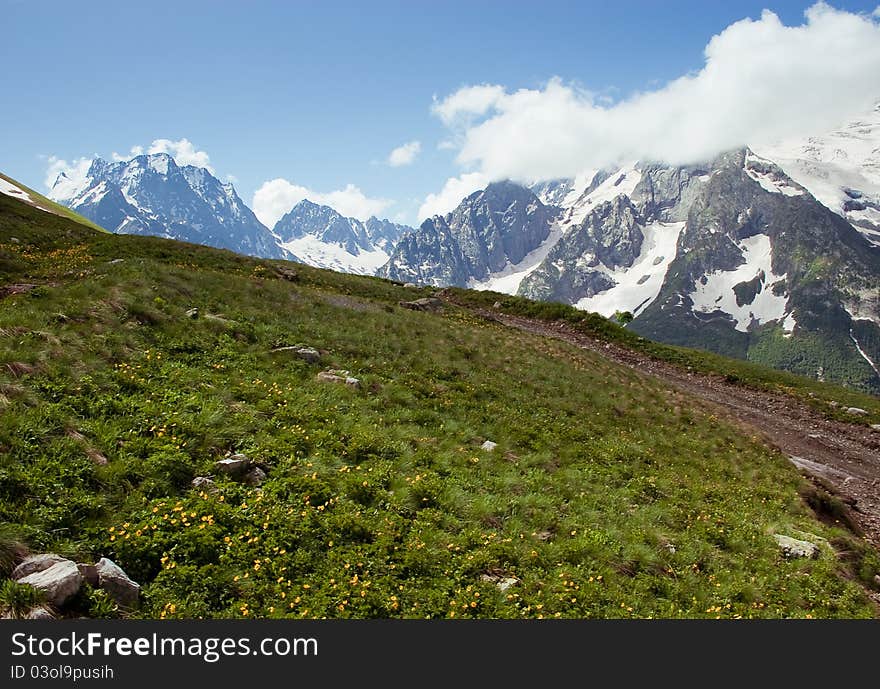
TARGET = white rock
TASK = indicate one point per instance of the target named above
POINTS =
(856, 411)
(116, 583)
(489, 446)
(792, 547)
(36, 563)
(59, 583)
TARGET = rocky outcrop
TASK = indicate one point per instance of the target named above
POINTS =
(487, 231)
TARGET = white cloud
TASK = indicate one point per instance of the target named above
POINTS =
(276, 197)
(183, 152)
(134, 152)
(467, 102)
(75, 171)
(761, 81)
(455, 189)
(405, 154)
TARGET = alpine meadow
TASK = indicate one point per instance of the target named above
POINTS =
(555, 334)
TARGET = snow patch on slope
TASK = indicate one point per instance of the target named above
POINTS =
(638, 285)
(760, 170)
(862, 352)
(623, 181)
(717, 294)
(508, 280)
(830, 165)
(15, 192)
(311, 250)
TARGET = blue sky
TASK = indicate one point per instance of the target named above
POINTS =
(320, 93)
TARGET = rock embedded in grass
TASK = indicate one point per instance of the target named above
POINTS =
(203, 483)
(856, 411)
(59, 583)
(255, 477)
(426, 304)
(794, 548)
(339, 376)
(235, 466)
(488, 446)
(308, 354)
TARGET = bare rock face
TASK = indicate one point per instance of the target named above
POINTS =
(116, 583)
(60, 582)
(35, 563)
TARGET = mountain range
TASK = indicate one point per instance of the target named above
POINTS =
(776, 262)
(768, 253)
(152, 195)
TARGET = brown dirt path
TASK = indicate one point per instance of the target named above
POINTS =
(842, 457)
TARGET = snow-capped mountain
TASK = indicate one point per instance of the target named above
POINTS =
(152, 195)
(734, 255)
(321, 237)
(490, 230)
(841, 169)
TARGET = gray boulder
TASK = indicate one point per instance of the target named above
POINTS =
(235, 466)
(36, 563)
(794, 548)
(254, 477)
(116, 583)
(205, 484)
(60, 582)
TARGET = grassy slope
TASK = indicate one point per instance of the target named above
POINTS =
(606, 497)
(830, 399)
(42, 202)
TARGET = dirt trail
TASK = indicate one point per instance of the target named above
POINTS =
(845, 457)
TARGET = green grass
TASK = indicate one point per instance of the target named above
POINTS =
(830, 399)
(607, 496)
(41, 201)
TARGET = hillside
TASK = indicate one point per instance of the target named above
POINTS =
(607, 495)
(771, 258)
(19, 191)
